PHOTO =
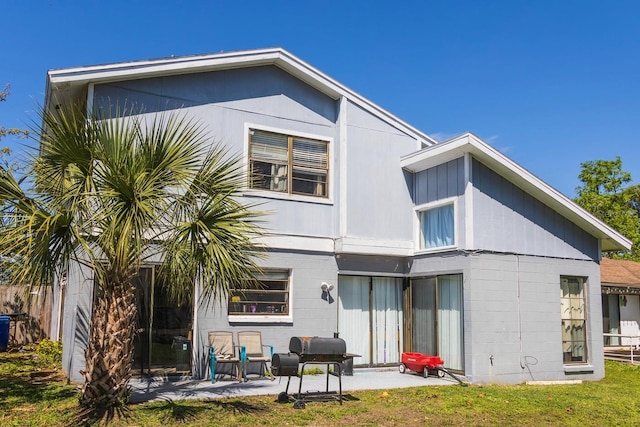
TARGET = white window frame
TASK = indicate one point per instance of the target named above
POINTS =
(288, 196)
(563, 317)
(267, 317)
(418, 210)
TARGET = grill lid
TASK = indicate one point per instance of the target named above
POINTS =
(317, 346)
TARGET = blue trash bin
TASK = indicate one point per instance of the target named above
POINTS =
(4, 332)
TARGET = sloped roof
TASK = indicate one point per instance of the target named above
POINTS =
(468, 143)
(71, 84)
(617, 272)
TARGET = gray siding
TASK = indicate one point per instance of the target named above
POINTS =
(506, 219)
(76, 320)
(312, 316)
(512, 312)
(378, 192)
(251, 90)
(225, 102)
(514, 315)
(442, 182)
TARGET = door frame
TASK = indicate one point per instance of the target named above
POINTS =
(409, 316)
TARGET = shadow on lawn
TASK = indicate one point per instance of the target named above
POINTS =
(33, 386)
(183, 411)
(99, 416)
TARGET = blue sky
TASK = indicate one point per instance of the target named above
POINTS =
(551, 84)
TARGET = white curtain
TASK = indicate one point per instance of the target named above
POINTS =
(353, 316)
(450, 321)
(437, 227)
(387, 318)
(278, 178)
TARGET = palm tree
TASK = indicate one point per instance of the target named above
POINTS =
(112, 194)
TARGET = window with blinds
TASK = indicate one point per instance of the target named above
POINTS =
(288, 164)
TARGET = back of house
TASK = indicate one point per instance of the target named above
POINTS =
(376, 232)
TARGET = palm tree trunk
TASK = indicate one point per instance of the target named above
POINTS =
(109, 354)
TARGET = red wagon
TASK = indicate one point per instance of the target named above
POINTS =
(419, 362)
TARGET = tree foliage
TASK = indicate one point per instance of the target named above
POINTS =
(4, 93)
(113, 194)
(606, 193)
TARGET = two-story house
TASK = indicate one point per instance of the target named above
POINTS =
(377, 232)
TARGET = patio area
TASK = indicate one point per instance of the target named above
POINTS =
(157, 389)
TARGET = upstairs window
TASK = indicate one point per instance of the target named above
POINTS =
(437, 227)
(271, 297)
(288, 164)
(574, 320)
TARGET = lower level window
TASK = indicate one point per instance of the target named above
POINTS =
(574, 319)
(270, 297)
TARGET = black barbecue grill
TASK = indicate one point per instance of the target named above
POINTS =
(304, 351)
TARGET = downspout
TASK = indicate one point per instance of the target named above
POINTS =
(195, 334)
(62, 283)
(526, 361)
(72, 349)
(519, 308)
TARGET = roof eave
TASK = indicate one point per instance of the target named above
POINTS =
(63, 81)
(468, 143)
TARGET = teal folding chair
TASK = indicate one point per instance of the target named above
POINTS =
(223, 351)
(253, 351)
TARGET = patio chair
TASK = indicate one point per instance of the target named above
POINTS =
(252, 351)
(223, 351)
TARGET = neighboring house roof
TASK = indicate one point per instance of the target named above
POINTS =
(619, 273)
(71, 84)
(468, 143)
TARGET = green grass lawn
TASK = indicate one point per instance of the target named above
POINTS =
(36, 395)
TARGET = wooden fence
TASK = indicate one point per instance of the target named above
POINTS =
(35, 324)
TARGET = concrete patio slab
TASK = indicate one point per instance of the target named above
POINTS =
(158, 389)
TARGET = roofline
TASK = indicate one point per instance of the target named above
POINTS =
(468, 143)
(620, 285)
(79, 76)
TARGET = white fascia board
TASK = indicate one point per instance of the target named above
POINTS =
(162, 67)
(436, 155)
(63, 78)
(353, 245)
(519, 176)
(345, 245)
(297, 243)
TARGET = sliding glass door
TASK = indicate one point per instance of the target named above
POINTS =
(450, 321)
(387, 320)
(437, 318)
(372, 321)
(163, 345)
(423, 310)
(370, 318)
(354, 316)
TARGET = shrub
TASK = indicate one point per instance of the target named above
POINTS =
(49, 353)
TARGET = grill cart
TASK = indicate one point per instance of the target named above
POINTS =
(305, 351)
(419, 362)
